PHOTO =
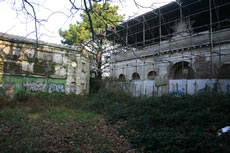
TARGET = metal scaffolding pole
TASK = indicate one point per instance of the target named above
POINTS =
(211, 39)
(159, 33)
(143, 30)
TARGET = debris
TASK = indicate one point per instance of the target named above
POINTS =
(223, 130)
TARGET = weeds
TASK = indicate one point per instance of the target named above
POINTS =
(184, 124)
(55, 123)
(170, 124)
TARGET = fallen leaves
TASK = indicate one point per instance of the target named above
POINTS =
(31, 132)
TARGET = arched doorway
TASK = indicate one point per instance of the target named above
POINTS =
(151, 75)
(224, 71)
(121, 77)
(135, 76)
(181, 70)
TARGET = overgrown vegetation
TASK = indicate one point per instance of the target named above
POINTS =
(170, 124)
(55, 123)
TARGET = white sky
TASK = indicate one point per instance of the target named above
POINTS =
(18, 24)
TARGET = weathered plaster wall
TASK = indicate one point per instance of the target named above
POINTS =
(165, 59)
(45, 67)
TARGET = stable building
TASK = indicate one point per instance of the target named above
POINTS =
(27, 65)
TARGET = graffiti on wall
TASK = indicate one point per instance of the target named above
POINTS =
(198, 85)
(35, 86)
(56, 87)
(176, 87)
(43, 87)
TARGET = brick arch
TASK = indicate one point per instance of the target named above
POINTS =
(135, 76)
(224, 71)
(151, 75)
(181, 70)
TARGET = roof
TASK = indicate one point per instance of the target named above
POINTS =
(24, 40)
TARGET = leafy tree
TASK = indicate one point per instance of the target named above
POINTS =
(90, 32)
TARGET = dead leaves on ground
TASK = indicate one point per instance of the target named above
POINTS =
(43, 135)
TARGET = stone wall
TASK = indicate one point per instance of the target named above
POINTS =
(25, 65)
(189, 57)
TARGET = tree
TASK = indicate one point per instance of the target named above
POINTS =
(90, 32)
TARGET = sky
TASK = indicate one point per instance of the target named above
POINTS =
(56, 14)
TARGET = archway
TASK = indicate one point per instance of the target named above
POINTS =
(151, 75)
(181, 70)
(135, 76)
(121, 77)
(224, 71)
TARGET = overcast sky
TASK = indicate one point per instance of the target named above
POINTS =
(16, 23)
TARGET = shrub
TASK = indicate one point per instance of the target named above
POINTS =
(184, 124)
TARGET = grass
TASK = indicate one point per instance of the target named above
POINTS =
(111, 120)
(52, 123)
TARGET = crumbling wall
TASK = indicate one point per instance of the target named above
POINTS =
(42, 68)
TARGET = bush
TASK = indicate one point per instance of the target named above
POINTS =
(185, 124)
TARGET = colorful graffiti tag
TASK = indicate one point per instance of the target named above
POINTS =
(177, 87)
(32, 84)
(35, 86)
(56, 87)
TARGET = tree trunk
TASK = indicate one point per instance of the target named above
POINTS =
(99, 60)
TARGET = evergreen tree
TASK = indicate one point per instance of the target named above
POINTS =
(92, 29)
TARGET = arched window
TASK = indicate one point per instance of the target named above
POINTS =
(224, 71)
(121, 77)
(151, 75)
(135, 76)
(181, 70)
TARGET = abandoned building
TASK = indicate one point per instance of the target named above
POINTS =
(41, 67)
(183, 40)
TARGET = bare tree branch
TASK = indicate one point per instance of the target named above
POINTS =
(34, 16)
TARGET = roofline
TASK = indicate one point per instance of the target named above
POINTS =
(24, 40)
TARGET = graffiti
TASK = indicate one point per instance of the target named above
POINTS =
(56, 87)
(35, 86)
(176, 87)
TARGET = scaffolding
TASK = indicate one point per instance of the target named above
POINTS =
(174, 28)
